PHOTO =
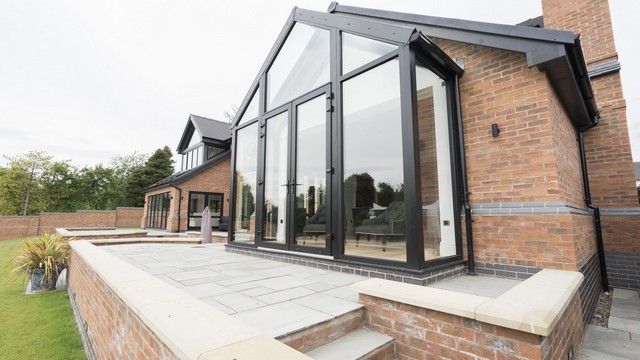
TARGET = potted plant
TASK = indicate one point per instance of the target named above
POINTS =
(42, 259)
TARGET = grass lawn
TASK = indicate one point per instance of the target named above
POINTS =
(37, 326)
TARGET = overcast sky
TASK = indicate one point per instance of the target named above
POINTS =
(85, 80)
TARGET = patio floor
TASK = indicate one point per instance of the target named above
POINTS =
(274, 297)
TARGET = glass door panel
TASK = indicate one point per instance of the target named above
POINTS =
(276, 182)
(310, 218)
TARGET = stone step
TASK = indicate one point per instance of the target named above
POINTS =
(360, 344)
(614, 344)
(321, 333)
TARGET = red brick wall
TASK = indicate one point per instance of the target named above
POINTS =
(215, 179)
(425, 334)
(113, 330)
(608, 149)
(12, 227)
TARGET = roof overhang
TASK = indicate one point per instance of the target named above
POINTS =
(556, 52)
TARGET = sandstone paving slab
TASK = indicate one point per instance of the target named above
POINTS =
(477, 285)
(610, 342)
(328, 304)
(256, 291)
(205, 290)
(240, 279)
(624, 324)
(244, 286)
(203, 280)
(626, 294)
(195, 274)
(282, 318)
(283, 282)
(343, 292)
(169, 280)
(239, 302)
(319, 287)
(217, 305)
(284, 295)
(336, 278)
(626, 311)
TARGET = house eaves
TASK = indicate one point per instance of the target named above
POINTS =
(208, 130)
(182, 176)
(555, 52)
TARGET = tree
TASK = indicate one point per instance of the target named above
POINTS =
(123, 166)
(59, 185)
(158, 166)
(22, 182)
(94, 189)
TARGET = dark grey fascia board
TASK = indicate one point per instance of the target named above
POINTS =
(566, 87)
(393, 33)
(558, 36)
(224, 144)
(540, 45)
(189, 130)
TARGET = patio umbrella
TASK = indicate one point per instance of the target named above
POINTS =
(205, 226)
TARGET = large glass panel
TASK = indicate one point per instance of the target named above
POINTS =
(246, 158)
(310, 217)
(301, 65)
(275, 179)
(358, 50)
(252, 109)
(214, 202)
(213, 151)
(435, 165)
(196, 207)
(373, 173)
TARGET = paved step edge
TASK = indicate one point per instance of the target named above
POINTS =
(325, 332)
(359, 344)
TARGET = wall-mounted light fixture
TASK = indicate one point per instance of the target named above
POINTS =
(495, 130)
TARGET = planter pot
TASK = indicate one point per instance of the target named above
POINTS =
(39, 282)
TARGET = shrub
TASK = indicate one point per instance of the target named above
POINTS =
(49, 252)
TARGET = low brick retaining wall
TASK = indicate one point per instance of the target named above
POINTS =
(125, 313)
(12, 227)
(540, 318)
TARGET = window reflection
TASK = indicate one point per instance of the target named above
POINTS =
(358, 50)
(245, 183)
(311, 214)
(275, 179)
(373, 187)
(435, 169)
(301, 65)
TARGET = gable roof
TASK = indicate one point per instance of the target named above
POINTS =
(181, 176)
(558, 53)
(208, 130)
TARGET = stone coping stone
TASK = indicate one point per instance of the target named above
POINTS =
(143, 240)
(533, 306)
(98, 232)
(188, 326)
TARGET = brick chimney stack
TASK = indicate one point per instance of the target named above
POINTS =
(608, 149)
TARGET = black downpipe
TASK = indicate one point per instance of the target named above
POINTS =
(596, 210)
(471, 264)
(179, 204)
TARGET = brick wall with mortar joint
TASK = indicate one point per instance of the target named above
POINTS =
(215, 180)
(498, 87)
(112, 329)
(424, 334)
(82, 218)
(608, 147)
(128, 216)
(13, 227)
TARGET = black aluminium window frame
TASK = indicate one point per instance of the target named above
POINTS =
(157, 219)
(206, 194)
(407, 53)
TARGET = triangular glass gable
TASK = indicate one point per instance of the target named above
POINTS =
(358, 50)
(252, 109)
(195, 138)
(301, 65)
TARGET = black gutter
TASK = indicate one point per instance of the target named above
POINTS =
(471, 264)
(179, 203)
(589, 204)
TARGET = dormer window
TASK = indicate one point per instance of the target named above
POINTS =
(202, 140)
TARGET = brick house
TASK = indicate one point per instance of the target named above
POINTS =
(429, 146)
(176, 202)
